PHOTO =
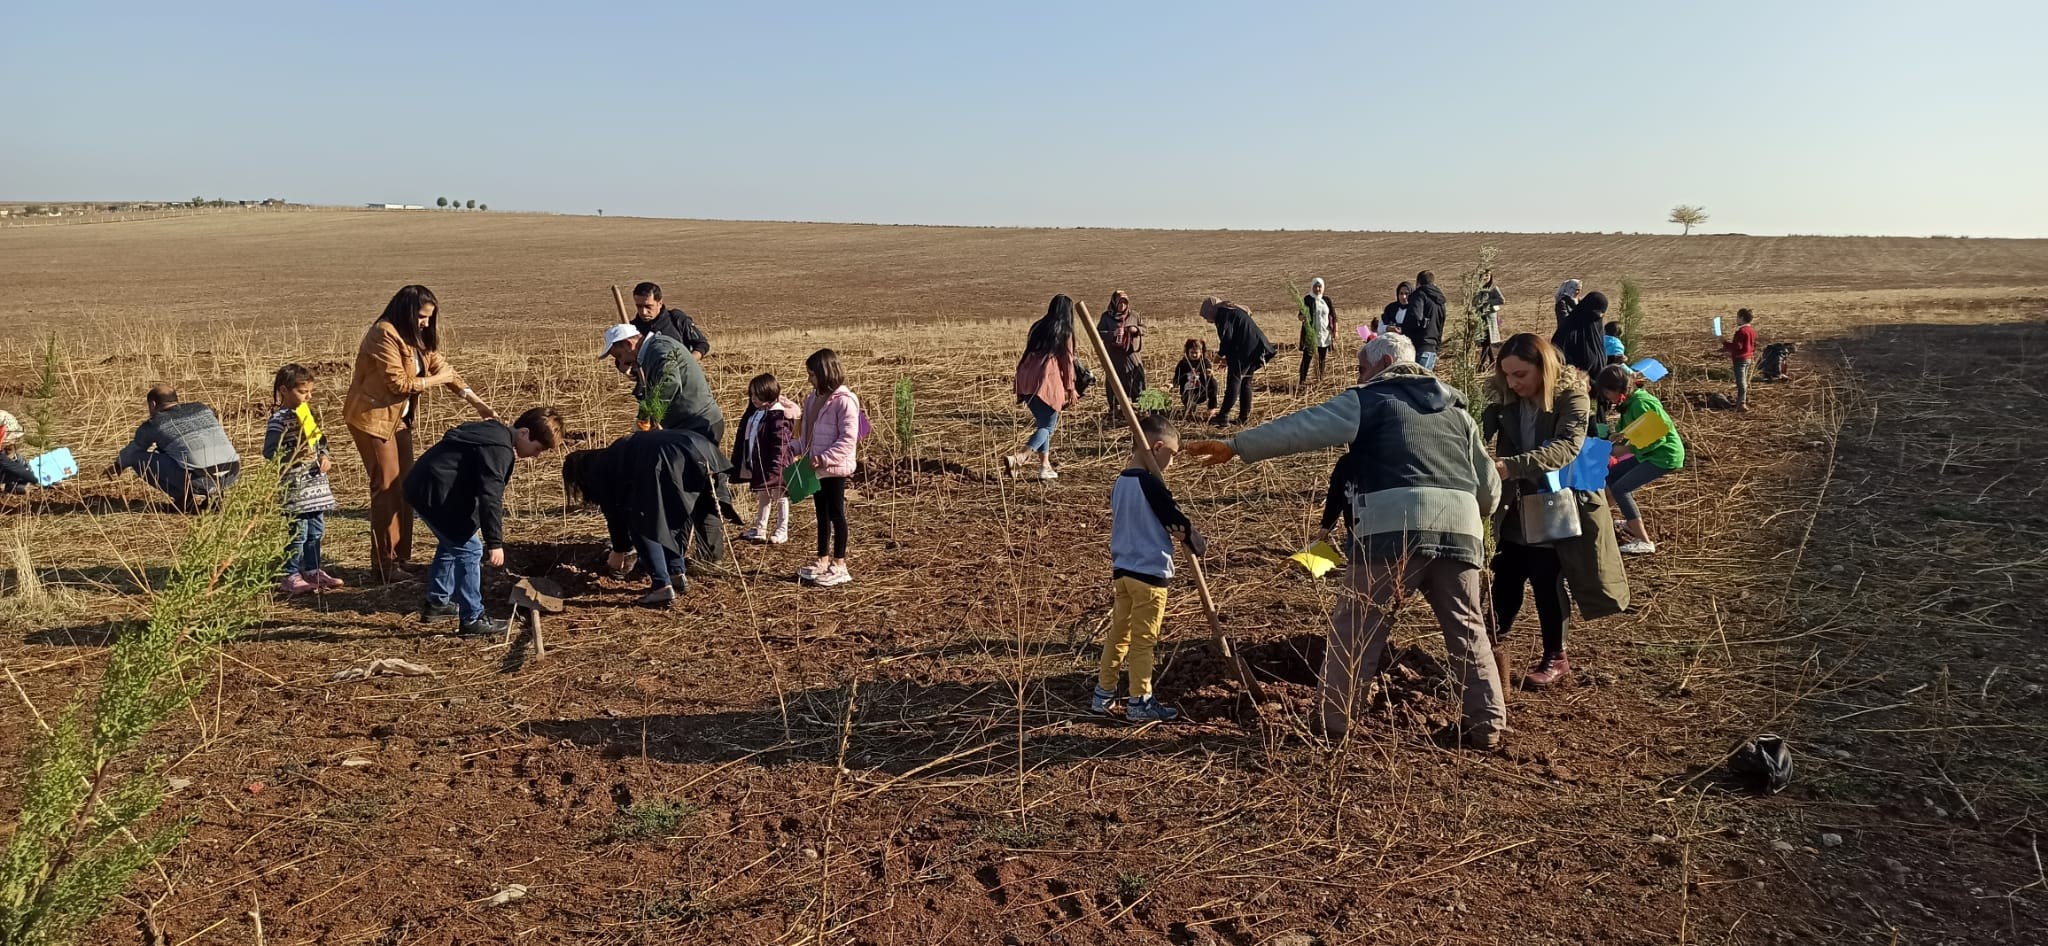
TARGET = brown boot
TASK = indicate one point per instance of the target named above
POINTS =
(1554, 668)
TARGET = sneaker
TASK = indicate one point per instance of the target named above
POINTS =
(1555, 667)
(660, 597)
(296, 585)
(808, 573)
(833, 577)
(781, 537)
(754, 536)
(434, 612)
(324, 581)
(1148, 709)
(482, 627)
(1638, 547)
(1104, 699)
(1048, 473)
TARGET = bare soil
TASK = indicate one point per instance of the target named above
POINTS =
(1854, 564)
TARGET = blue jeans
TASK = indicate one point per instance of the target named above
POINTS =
(660, 565)
(1427, 359)
(457, 573)
(1741, 382)
(302, 550)
(1043, 420)
(187, 488)
(1628, 476)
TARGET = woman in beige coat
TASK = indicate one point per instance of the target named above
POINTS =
(1537, 411)
(399, 358)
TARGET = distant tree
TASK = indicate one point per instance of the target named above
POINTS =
(472, 205)
(1688, 216)
(440, 201)
(198, 201)
(483, 206)
(600, 211)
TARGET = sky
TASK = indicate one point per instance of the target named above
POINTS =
(1816, 117)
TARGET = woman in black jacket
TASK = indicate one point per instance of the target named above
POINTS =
(1582, 336)
(658, 490)
(1244, 349)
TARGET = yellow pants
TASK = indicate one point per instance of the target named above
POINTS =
(1133, 630)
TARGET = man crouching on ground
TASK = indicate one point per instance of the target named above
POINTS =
(1421, 485)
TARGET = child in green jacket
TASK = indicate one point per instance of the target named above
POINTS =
(1617, 386)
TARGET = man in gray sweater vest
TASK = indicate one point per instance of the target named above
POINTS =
(1421, 486)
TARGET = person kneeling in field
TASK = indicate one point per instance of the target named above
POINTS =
(657, 489)
(182, 450)
(1421, 486)
(1143, 517)
(458, 489)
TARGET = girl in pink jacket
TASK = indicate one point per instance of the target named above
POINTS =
(830, 436)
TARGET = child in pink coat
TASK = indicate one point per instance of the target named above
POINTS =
(829, 435)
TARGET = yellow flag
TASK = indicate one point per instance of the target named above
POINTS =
(309, 429)
(1645, 430)
(1318, 559)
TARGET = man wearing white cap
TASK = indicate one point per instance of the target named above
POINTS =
(665, 366)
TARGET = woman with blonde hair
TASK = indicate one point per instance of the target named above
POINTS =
(1537, 411)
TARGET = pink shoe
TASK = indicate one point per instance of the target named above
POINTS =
(324, 581)
(296, 585)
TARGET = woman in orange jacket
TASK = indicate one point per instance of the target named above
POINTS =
(399, 358)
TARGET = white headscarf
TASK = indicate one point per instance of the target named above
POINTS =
(1568, 289)
(1316, 283)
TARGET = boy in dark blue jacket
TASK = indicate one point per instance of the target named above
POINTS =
(458, 489)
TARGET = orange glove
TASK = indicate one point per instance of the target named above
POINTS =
(1210, 452)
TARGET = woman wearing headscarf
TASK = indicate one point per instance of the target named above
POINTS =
(1488, 303)
(1123, 334)
(1536, 415)
(1244, 349)
(1045, 384)
(1318, 329)
(399, 358)
(1567, 298)
(658, 491)
(1582, 336)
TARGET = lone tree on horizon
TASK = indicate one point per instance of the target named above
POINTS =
(472, 205)
(1688, 216)
(441, 202)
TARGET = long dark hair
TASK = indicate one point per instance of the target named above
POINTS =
(403, 314)
(1054, 332)
(825, 374)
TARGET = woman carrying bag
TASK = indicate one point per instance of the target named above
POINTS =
(1537, 413)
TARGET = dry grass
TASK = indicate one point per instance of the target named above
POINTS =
(909, 760)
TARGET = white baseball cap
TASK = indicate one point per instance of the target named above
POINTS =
(616, 334)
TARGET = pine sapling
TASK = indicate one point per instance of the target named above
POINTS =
(1633, 318)
(906, 415)
(73, 847)
(42, 403)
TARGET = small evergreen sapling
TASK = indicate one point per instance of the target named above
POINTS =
(73, 848)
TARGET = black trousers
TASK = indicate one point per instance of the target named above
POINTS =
(1319, 356)
(831, 500)
(1517, 565)
(1237, 389)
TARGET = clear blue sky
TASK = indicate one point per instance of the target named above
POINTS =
(1806, 117)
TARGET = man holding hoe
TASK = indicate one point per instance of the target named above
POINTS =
(1420, 484)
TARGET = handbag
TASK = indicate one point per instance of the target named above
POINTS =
(799, 480)
(1549, 518)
